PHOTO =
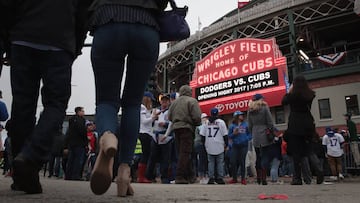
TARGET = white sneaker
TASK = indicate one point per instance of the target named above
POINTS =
(333, 178)
(341, 176)
(204, 181)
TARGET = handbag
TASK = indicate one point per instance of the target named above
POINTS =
(172, 23)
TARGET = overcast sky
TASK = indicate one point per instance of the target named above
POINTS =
(83, 93)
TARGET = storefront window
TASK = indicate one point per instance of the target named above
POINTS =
(279, 115)
(324, 108)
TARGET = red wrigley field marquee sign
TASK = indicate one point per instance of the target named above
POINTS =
(230, 75)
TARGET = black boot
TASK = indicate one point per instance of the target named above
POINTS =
(258, 176)
(263, 177)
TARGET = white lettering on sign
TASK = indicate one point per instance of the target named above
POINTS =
(217, 75)
(215, 87)
(236, 105)
(255, 47)
(216, 56)
(259, 77)
(257, 65)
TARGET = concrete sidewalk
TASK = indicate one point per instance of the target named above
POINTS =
(57, 190)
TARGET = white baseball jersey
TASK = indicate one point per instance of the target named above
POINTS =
(214, 136)
(333, 144)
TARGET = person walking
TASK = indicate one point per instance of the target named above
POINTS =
(45, 39)
(125, 33)
(185, 115)
(301, 128)
(259, 121)
(240, 137)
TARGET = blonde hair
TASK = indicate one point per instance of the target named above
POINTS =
(147, 102)
(257, 105)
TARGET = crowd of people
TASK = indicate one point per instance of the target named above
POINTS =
(126, 41)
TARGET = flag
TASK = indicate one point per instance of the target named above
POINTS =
(332, 59)
(287, 84)
(357, 7)
(242, 3)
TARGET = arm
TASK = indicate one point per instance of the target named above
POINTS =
(226, 140)
(285, 99)
(82, 19)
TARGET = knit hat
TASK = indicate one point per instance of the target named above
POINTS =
(258, 97)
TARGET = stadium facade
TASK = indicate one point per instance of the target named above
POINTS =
(319, 39)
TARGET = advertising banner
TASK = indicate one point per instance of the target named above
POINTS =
(230, 75)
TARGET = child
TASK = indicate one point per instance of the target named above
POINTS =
(332, 143)
(215, 137)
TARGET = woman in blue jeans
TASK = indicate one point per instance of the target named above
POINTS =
(240, 136)
(125, 34)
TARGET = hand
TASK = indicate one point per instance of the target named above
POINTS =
(291, 88)
(236, 131)
(162, 139)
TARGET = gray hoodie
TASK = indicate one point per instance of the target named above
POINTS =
(259, 119)
(185, 111)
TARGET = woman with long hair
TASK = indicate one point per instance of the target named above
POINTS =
(259, 121)
(126, 41)
(301, 128)
(147, 118)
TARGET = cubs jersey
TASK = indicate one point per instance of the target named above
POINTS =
(214, 136)
(333, 144)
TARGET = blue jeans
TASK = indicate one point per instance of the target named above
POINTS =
(200, 159)
(274, 171)
(75, 163)
(219, 160)
(114, 43)
(28, 67)
(287, 167)
(238, 157)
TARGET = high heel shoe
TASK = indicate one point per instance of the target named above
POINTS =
(102, 174)
(123, 181)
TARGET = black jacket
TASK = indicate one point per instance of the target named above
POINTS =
(76, 134)
(149, 4)
(58, 23)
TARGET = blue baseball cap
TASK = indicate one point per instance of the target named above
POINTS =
(236, 113)
(150, 95)
(329, 131)
(214, 111)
